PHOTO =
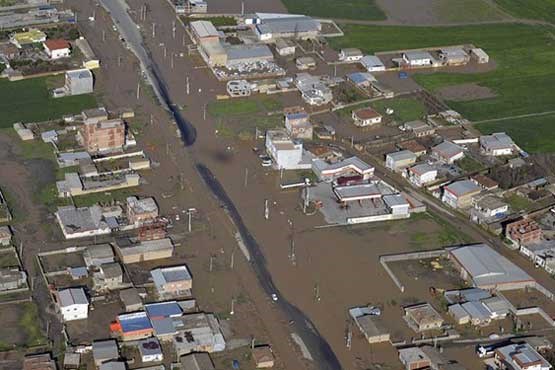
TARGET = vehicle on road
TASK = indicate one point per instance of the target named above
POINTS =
(274, 297)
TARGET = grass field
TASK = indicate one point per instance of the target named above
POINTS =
(30, 101)
(523, 54)
(517, 203)
(543, 10)
(466, 11)
(405, 109)
(234, 107)
(533, 134)
(346, 9)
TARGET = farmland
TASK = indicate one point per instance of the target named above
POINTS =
(530, 9)
(348, 9)
(466, 11)
(522, 78)
(533, 134)
(34, 102)
(404, 109)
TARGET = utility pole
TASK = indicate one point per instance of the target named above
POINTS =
(246, 176)
(171, 63)
(138, 89)
(348, 335)
(119, 61)
(173, 29)
(232, 306)
(242, 8)
(306, 195)
(266, 209)
(103, 35)
(153, 30)
(292, 255)
(204, 112)
(211, 263)
(187, 85)
(317, 292)
(190, 212)
(232, 260)
(165, 52)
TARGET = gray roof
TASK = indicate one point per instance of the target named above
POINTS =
(457, 311)
(204, 28)
(293, 24)
(105, 350)
(422, 168)
(415, 55)
(99, 251)
(166, 275)
(371, 61)
(497, 305)
(357, 191)
(402, 155)
(248, 52)
(111, 270)
(149, 347)
(498, 140)
(521, 356)
(80, 74)
(462, 187)
(142, 205)
(146, 246)
(487, 267)
(72, 296)
(355, 162)
(130, 297)
(476, 310)
(491, 202)
(113, 365)
(447, 149)
(80, 219)
(197, 361)
(394, 200)
(412, 354)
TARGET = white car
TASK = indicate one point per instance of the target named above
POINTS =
(274, 297)
(266, 163)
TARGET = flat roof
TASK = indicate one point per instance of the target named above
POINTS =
(366, 113)
(204, 29)
(463, 187)
(447, 149)
(134, 322)
(360, 191)
(166, 275)
(416, 55)
(402, 155)
(163, 309)
(371, 61)
(487, 267)
(72, 296)
(395, 200)
(422, 168)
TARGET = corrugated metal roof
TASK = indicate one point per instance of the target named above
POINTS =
(163, 309)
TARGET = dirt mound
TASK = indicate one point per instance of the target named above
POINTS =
(465, 92)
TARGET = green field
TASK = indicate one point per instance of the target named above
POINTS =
(543, 10)
(234, 107)
(346, 9)
(216, 21)
(405, 109)
(533, 134)
(466, 11)
(524, 73)
(30, 101)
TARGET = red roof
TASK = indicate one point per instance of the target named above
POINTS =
(57, 44)
(367, 113)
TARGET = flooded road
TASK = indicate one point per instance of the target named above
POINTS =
(319, 348)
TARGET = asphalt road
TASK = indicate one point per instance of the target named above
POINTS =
(318, 347)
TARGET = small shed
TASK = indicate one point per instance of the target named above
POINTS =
(479, 55)
(459, 314)
(130, 299)
(263, 357)
(72, 360)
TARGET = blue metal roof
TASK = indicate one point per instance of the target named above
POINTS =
(163, 309)
(134, 322)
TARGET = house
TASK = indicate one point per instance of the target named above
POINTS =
(104, 351)
(422, 174)
(9, 51)
(197, 332)
(196, 361)
(459, 194)
(147, 250)
(32, 36)
(413, 358)
(352, 166)
(150, 350)
(454, 56)
(98, 254)
(263, 357)
(396, 204)
(78, 82)
(479, 55)
(487, 269)
(372, 63)
(497, 307)
(361, 79)
(172, 281)
(370, 324)
(113, 365)
(141, 210)
(520, 357)
(204, 32)
(447, 152)
(11, 279)
(285, 47)
(286, 153)
(423, 317)
(73, 304)
(72, 360)
(103, 136)
(132, 326)
(542, 254)
(414, 146)
(484, 182)
(130, 299)
(479, 315)
(313, 89)
(523, 232)
(366, 117)
(417, 58)
(460, 315)
(418, 128)
(497, 144)
(304, 63)
(39, 362)
(5, 236)
(397, 161)
(298, 125)
(488, 208)
(109, 277)
(270, 26)
(350, 55)
(243, 54)
(57, 48)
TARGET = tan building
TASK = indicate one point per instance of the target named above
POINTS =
(423, 317)
(174, 281)
(141, 210)
(104, 135)
(145, 251)
(39, 362)
(263, 357)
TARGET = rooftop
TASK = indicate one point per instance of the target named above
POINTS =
(167, 275)
(371, 61)
(163, 309)
(487, 267)
(463, 187)
(522, 356)
(104, 350)
(447, 149)
(421, 169)
(490, 202)
(144, 205)
(423, 314)
(72, 296)
(366, 113)
(416, 55)
(498, 140)
(197, 361)
(402, 155)
(146, 246)
(82, 219)
(134, 322)
(204, 29)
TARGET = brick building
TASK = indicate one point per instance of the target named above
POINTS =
(104, 135)
(524, 232)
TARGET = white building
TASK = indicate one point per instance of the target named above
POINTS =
(372, 63)
(150, 350)
(73, 304)
(448, 152)
(366, 117)
(497, 144)
(520, 357)
(81, 222)
(422, 174)
(57, 49)
(352, 166)
(286, 153)
(398, 160)
(350, 55)
(459, 194)
(417, 58)
(479, 55)
(490, 207)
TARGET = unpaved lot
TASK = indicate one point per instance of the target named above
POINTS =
(465, 92)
